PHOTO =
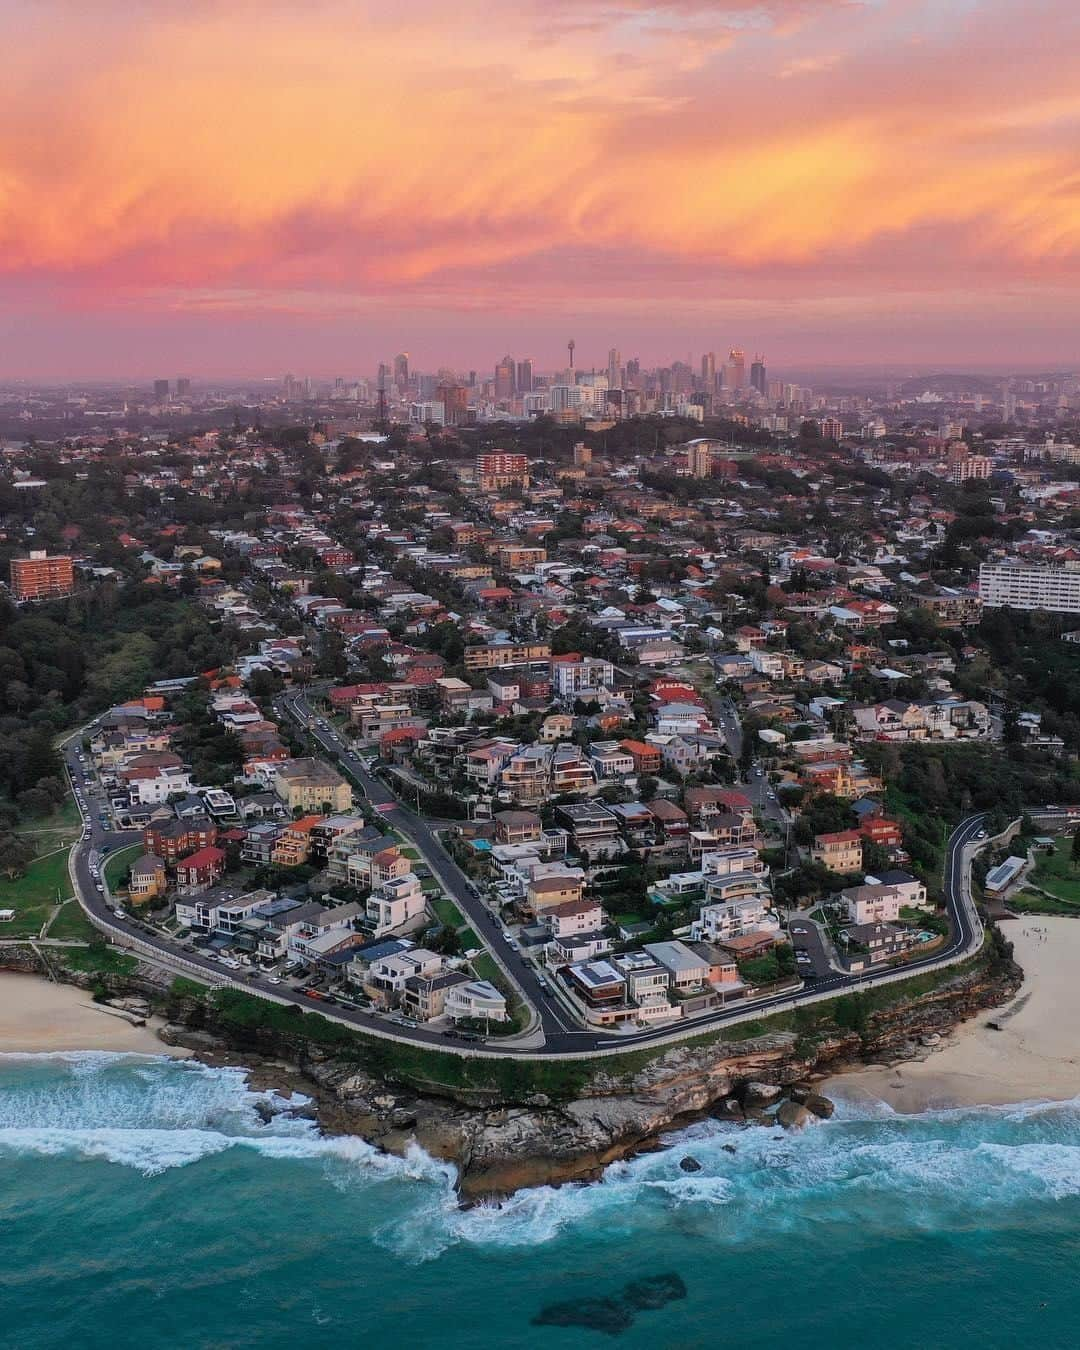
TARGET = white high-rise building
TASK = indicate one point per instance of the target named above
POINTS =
(1021, 585)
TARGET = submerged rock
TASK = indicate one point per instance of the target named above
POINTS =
(609, 1315)
(654, 1291)
(689, 1164)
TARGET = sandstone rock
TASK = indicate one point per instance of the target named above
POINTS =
(759, 1094)
(689, 1164)
(932, 1039)
(730, 1108)
(793, 1116)
(819, 1106)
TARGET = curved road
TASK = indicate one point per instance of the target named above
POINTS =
(561, 1036)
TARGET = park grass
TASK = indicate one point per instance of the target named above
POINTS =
(33, 895)
(1031, 902)
(116, 866)
(469, 940)
(1055, 872)
(95, 959)
(70, 924)
(447, 912)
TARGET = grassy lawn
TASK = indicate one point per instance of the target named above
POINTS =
(1030, 902)
(411, 854)
(116, 867)
(447, 912)
(484, 968)
(1056, 873)
(32, 896)
(71, 924)
(469, 940)
(96, 960)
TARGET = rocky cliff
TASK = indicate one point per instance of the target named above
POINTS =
(529, 1125)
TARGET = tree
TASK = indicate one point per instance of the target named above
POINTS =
(15, 856)
(1076, 849)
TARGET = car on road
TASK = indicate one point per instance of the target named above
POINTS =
(273, 979)
(981, 834)
(312, 993)
(799, 930)
(119, 913)
(803, 958)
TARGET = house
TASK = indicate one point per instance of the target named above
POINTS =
(872, 943)
(594, 828)
(475, 1001)
(516, 827)
(384, 979)
(568, 917)
(147, 879)
(397, 906)
(840, 852)
(424, 997)
(646, 758)
(548, 892)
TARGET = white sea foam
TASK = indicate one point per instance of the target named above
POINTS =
(153, 1115)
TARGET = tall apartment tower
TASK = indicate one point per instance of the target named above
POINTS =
(736, 369)
(759, 379)
(505, 376)
(161, 390)
(401, 371)
(614, 369)
(708, 372)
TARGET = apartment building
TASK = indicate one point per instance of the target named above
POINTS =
(41, 577)
(496, 655)
(1015, 584)
(311, 786)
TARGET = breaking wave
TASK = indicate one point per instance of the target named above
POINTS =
(932, 1171)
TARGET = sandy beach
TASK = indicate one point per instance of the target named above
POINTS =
(1034, 1056)
(36, 1016)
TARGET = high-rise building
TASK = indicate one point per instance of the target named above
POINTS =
(455, 400)
(633, 370)
(736, 370)
(524, 377)
(708, 372)
(501, 468)
(161, 390)
(1020, 585)
(183, 387)
(40, 577)
(832, 429)
(582, 455)
(614, 369)
(505, 375)
(699, 458)
(401, 371)
(758, 377)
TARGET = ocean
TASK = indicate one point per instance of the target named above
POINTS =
(144, 1203)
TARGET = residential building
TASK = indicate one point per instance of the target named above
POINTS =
(41, 577)
(1027, 585)
(840, 852)
(311, 785)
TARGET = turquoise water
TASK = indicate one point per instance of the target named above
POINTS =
(142, 1203)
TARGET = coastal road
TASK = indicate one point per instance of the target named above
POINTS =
(561, 1036)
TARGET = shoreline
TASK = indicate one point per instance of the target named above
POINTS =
(1025, 1051)
(38, 1017)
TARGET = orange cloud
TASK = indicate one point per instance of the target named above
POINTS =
(268, 155)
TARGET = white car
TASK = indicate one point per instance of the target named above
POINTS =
(119, 913)
(273, 979)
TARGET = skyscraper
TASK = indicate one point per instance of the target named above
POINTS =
(708, 371)
(161, 390)
(614, 368)
(401, 371)
(505, 374)
(736, 370)
(758, 378)
(524, 376)
(183, 387)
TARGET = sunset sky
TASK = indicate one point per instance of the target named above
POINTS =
(234, 188)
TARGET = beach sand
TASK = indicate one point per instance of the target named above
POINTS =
(1035, 1056)
(36, 1016)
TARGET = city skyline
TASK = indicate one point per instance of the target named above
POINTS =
(817, 179)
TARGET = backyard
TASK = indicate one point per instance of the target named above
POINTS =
(1053, 886)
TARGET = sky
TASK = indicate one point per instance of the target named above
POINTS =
(217, 187)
